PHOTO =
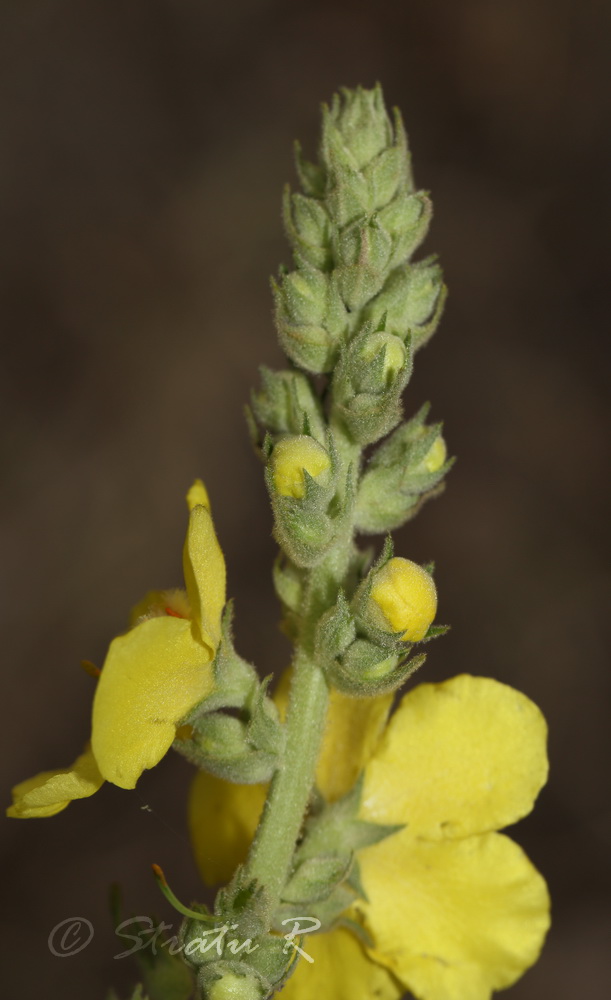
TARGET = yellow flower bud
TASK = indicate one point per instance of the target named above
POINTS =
(403, 595)
(395, 355)
(232, 987)
(434, 458)
(291, 458)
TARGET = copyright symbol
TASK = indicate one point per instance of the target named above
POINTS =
(70, 936)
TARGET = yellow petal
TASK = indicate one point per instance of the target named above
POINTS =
(198, 496)
(222, 818)
(352, 731)
(48, 793)
(341, 970)
(204, 569)
(152, 677)
(457, 919)
(461, 757)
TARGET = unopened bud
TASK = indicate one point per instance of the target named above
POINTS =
(394, 352)
(233, 987)
(434, 458)
(291, 458)
(403, 598)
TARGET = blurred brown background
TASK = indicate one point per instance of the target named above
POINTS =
(144, 149)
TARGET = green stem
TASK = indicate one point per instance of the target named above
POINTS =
(272, 850)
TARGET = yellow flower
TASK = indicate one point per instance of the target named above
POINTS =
(454, 909)
(152, 677)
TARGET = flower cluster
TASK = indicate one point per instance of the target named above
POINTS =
(379, 822)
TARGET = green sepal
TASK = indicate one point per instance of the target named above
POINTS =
(305, 535)
(335, 631)
(363, 253)
(246, 749)
(406, 220)
(357, 929)
(435, 631)
(220, 745)
(315, 878)
(243, 902)
(234, 678)
(334, 831)
(326, 911)
(385, 175)
(371, 678)
(360, 120)
(348, 196)
(311, 318)
(274, 961)
(337, 830)
(264, 730)
(361, 597)
(355, 882)
(289, 582)
(311, 176)
(361, 666)
(286, 404)
(308, 228)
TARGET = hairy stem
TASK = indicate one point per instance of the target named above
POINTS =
(272, 850)
(273, 847)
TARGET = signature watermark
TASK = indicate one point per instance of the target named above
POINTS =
(74, 934)
(70, 936)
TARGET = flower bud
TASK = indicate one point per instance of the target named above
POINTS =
(286, 402)
(403, 598)
(233, 987)
(365, 661)
(406, 219)
(372, 372)
(308, 228)
(434, 458)
(411, 302)
(291, 458)
(395, 354)
(310, 317)
(405, 471)
(358, 117)
(364, 253)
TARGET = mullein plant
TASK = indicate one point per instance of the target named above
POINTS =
(356, 843)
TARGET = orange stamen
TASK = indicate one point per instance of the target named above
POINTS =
(174, 614)
(159, 875)
(90, 668)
